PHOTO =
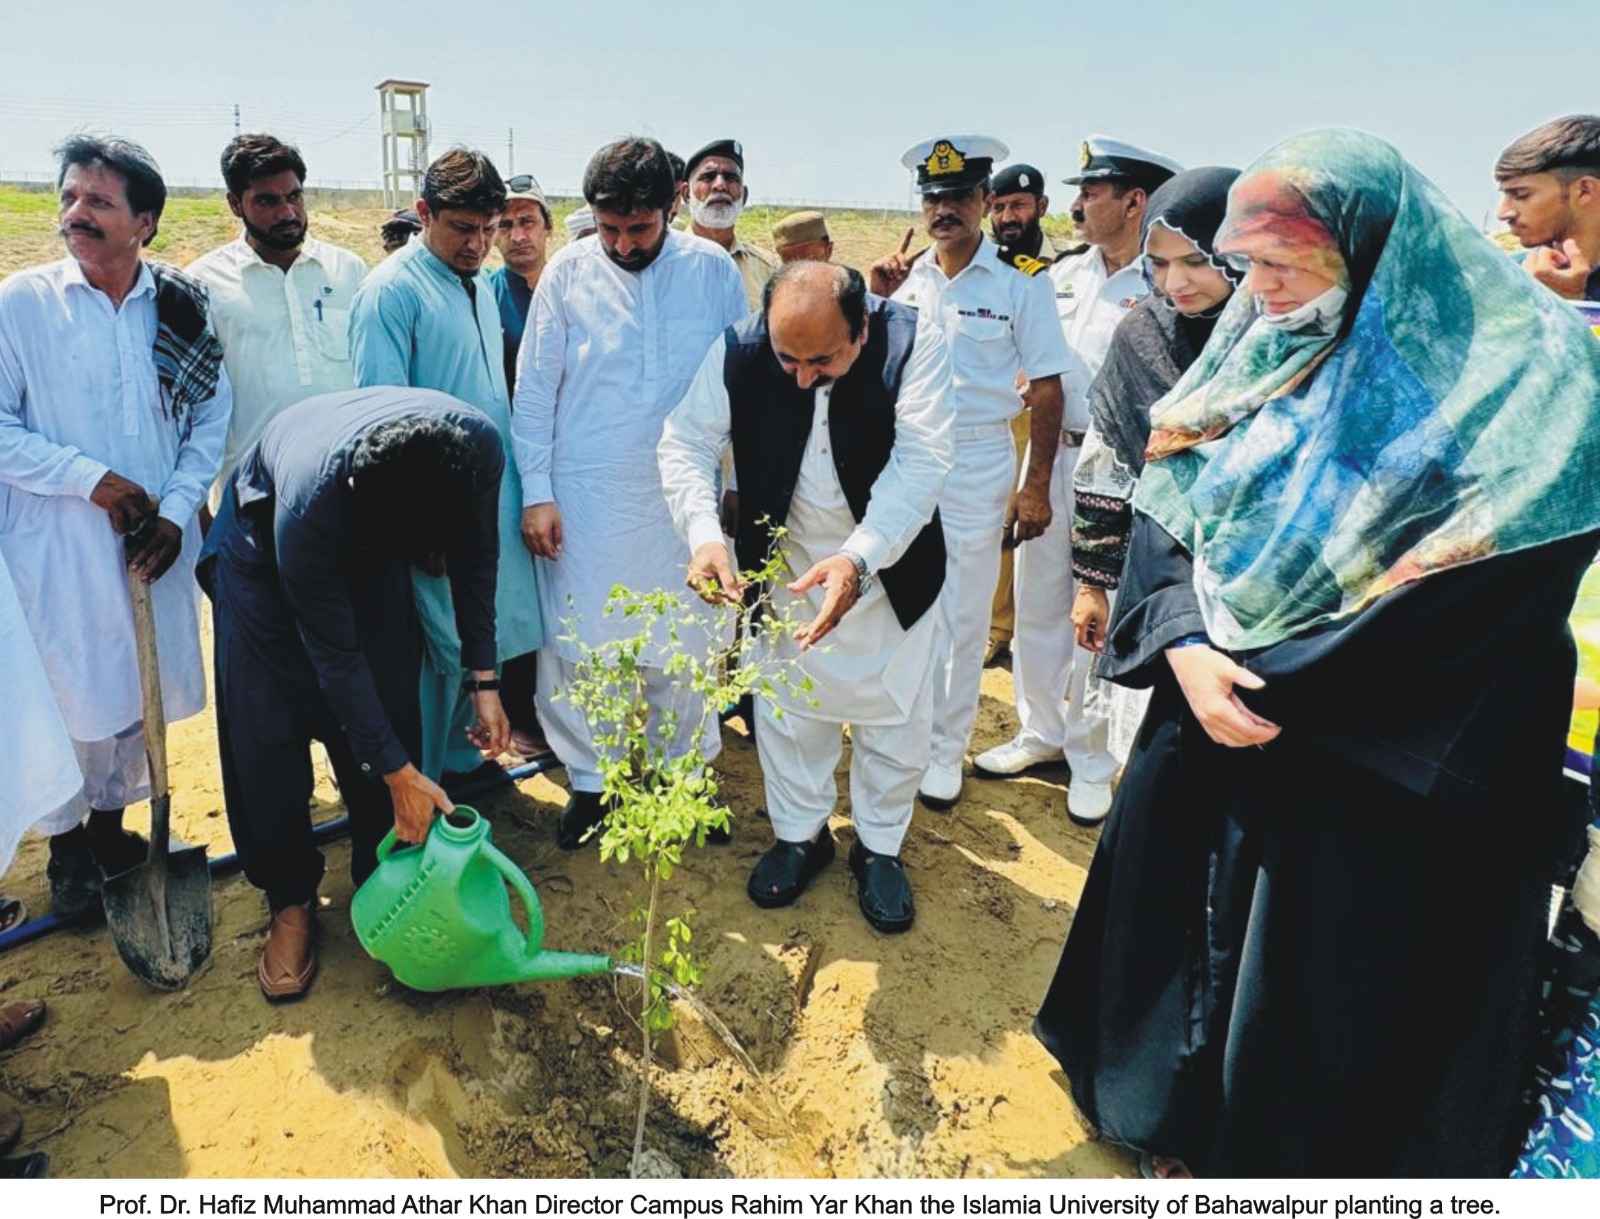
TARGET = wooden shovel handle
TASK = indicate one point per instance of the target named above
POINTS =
(155, 719)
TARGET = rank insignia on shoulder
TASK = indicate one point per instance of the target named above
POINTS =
(1025, 263)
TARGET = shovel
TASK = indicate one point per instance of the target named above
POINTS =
(159, 911)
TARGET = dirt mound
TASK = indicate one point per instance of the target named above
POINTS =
(888, 1056)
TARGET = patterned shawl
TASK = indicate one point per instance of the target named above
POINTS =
(1453, 414)
(188, 354)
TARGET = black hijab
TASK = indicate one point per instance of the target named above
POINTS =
(1155, 343)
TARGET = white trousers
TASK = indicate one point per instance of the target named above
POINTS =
(1059, 706)
(973, 510)
(799, 756)
(572, 737)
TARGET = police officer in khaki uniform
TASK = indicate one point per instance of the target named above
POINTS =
(803, 237)
(997, 324)
(717, 198)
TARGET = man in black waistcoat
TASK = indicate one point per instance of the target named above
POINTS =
(836, 405)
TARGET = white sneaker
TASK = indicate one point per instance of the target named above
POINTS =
(1088, 803)
(941, 786)
(1015, 757)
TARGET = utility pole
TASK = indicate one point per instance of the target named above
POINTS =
(511, 151)
(235, 118)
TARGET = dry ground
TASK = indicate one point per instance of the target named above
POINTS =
(895, 1056)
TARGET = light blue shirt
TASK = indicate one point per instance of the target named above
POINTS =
(414, 323)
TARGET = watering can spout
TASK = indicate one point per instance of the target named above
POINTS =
(549, 966)
(440, 917)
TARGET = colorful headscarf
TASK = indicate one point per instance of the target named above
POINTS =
(1453, 413)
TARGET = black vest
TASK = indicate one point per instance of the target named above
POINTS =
(771, 424)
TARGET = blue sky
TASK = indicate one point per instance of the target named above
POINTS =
(825, 94)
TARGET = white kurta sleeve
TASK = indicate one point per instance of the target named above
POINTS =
(541, 362)
(28, 460)
(199, 456)
(907, 490)
(693, 441)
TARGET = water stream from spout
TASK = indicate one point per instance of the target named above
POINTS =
(710, 1019)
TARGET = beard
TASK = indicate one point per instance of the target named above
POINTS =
(639, 259)
(716, 212)
(287, 236)
(1028, 238)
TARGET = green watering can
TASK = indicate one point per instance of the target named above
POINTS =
(438, 914)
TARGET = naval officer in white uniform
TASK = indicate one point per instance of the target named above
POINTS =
(997, 323)
(1062, 712)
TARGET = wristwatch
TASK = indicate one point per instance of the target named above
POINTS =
(863, 574)
(477, 685)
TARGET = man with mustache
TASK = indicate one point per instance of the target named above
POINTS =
(114, 409)
(426, 317)
(835, 407)
(619, 324)
(1095, 288)
(280, 299)
(998, 325)
(523, 242)
(717, 198)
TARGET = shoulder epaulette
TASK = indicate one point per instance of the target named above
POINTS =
(1026, 263)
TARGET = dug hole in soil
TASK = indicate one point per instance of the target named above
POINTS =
(893, 1056)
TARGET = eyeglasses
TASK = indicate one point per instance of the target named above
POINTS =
(522, 183)
(1245, 263)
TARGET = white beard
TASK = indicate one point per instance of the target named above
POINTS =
(715, 213)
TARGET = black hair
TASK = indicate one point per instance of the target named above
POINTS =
(141, 176)
(412, 485)
(630, 175)
(463, 178)
(258, 155)
(1567, 147)
(680, 171)
(849, 291)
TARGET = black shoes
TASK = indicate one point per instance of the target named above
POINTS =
(584, 811)
(782, 874)
(80, 862)
(883, 890)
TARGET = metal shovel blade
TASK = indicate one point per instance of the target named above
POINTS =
(159, 913)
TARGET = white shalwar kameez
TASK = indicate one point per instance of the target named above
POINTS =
(996, 322)
(870, 672)
(42, 779)
(79, 397)
(606, 355)
(1059, 706)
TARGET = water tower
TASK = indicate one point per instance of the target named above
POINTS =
(403, 123)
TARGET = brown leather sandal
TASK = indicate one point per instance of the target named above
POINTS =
(289, 957)
(19, 1019)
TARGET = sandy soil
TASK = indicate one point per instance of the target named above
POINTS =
(903, 1056)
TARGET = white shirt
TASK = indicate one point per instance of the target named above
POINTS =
(285, 335)
(79, 397)
(1091, 305)
(606, 355)
(996, 322)
(869, 669)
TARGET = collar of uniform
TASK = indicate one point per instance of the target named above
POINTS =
(986, 258)
(72, 273)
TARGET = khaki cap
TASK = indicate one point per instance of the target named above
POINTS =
(798, 228)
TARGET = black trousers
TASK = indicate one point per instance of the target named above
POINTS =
(270, 709)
